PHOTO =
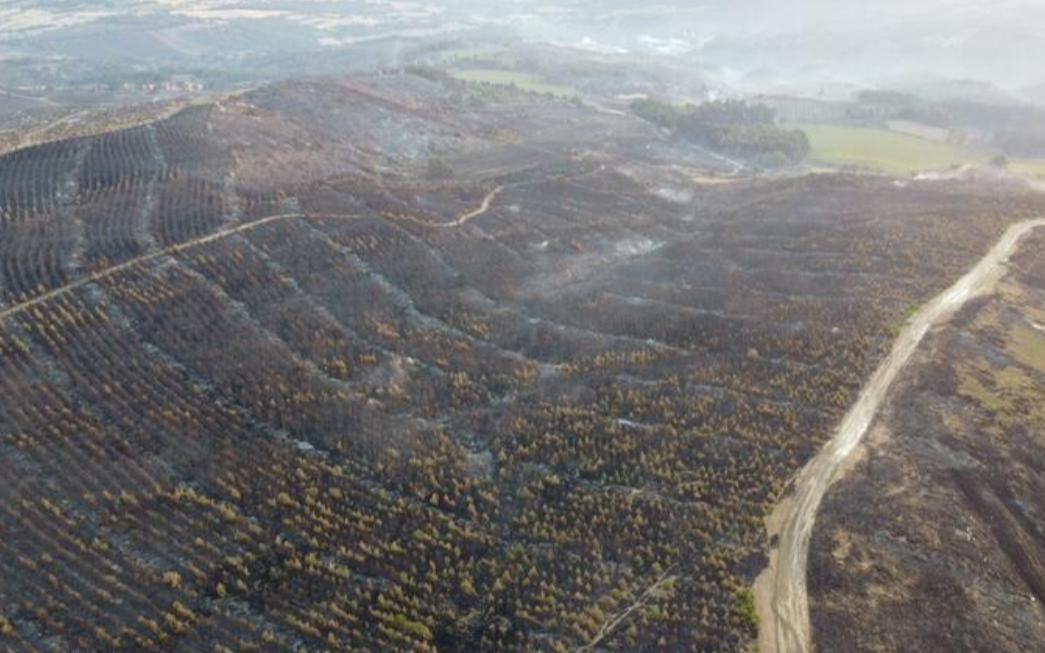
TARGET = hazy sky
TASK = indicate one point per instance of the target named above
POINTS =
(996, 40)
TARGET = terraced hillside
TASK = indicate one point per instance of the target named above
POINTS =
(264, 387)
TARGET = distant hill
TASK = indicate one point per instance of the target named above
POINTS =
(937, 89)
(1034, 94)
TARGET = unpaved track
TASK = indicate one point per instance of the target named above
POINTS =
(483, 208)
(616, 620)
(781, 595)
(42, 100)
(15, 309)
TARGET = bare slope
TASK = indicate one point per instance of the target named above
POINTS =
(782, 594)
(944, 512)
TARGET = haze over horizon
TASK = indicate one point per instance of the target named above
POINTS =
(736, 43)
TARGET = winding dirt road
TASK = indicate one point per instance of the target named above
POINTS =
(781, 595)
(483, 208)
(15, 309)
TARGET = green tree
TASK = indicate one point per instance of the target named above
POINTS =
(438, 169)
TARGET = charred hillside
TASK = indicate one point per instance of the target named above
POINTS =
(267, 384)
(943, 511)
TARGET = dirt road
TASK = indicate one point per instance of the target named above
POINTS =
(15, 309)
(21, 307)
(483, 208)
(32, 98)
(780, 591)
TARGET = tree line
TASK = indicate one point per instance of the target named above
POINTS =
(731, 127)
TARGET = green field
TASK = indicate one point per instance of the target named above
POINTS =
(524, 81)
(881, 149)
(1028, 167)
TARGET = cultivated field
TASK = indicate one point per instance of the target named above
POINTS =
(265, 387)
(881, 149)
(1029, 167)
